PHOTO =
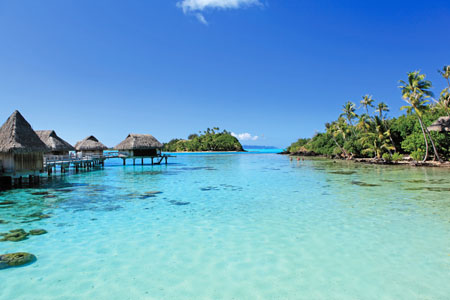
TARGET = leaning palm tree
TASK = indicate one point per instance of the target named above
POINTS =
(366, 102)
(415, 92)
(332, 130)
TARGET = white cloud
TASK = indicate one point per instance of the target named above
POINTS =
(198, 6)
(201, 18)
(245, 136)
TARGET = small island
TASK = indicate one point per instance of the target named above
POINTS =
(208, 140)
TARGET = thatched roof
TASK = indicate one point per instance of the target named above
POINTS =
(53, 141)
(139, 142)
(442, 125)
(17, 136)
(90, 144)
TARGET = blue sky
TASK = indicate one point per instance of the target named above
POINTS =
(274, 69)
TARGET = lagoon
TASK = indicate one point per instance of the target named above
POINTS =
(234, 226)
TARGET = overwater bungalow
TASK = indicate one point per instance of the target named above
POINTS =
(140, 146)
(21, 150)
(440, 125)
(56, 145)
(90, 146)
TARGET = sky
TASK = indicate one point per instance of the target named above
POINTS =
(270, 71)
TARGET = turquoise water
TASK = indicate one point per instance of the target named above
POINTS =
(234, 226)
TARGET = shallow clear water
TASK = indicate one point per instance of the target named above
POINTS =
(234, 226)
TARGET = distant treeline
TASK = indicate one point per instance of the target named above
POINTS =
(208, 140)
(366, 131)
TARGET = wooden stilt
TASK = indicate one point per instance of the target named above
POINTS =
(6, 182)
(124, 161)
(142, 161)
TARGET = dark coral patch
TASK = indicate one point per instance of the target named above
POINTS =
(16, 259)
(343, 172)
(360, 183)
(38, 231)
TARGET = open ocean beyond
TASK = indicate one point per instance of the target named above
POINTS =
(233, 226)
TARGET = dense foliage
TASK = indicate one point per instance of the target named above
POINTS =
(209, 140)
(367, 132)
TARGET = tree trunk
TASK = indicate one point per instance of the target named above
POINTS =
(425, 138)
(351, 126)
(342, 149)
(393, 145)
(436, 155)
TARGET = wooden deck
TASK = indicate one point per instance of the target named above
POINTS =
(92, 161)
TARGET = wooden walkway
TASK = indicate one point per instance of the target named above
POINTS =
(93, 161)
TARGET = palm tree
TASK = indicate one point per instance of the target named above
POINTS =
(366, 102)
(349, 112)
(376, 139)
(444, 101)
(363, 124)
(382, 107)
(415, 92)
(446, 74)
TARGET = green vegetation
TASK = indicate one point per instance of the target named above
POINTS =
(209, 140)
(373, 135)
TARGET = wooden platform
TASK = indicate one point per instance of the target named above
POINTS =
(93, 161)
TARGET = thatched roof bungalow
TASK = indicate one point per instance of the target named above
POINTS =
(90, 146)
(140, 145)
(441, 125)
(56, 145)
(21, 150)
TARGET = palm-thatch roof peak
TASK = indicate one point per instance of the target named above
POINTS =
(53, 141)
(17, 136)
(139, 142)
(90, 144)
(442, 125)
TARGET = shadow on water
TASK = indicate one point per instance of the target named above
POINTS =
(227, 187)
(179, 203)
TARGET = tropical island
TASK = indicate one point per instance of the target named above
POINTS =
(366, 132)
(208, 140)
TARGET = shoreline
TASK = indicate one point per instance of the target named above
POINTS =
(206, 151)
(371, 161)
